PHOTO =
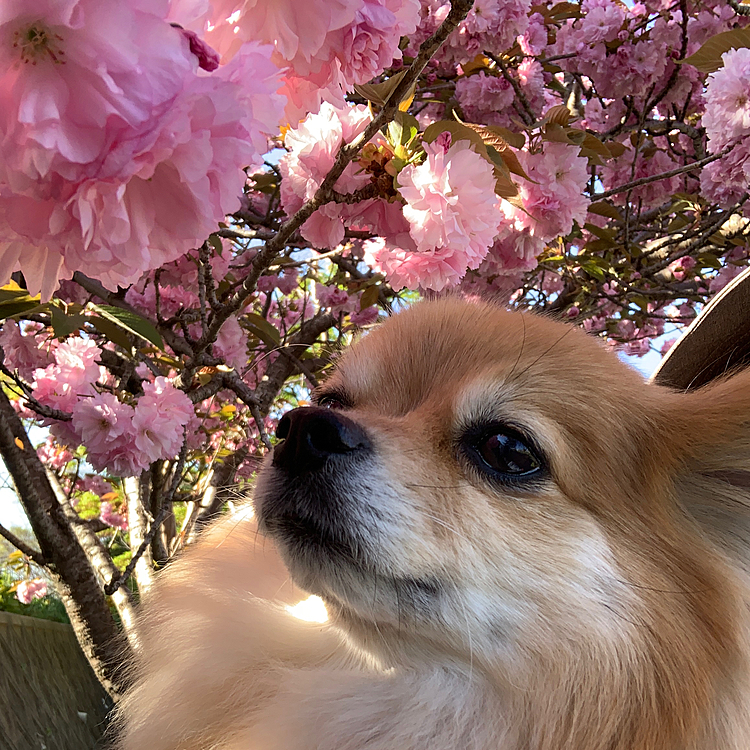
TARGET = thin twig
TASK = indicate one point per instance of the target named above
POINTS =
(166, 509)
(663, 176)
(527, 113)
(31, 553)
(178, 345)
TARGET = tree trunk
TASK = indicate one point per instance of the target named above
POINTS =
(137, 496)
(84, 600)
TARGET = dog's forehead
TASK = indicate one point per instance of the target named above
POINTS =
(437, 345)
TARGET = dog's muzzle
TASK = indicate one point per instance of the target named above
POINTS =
(312, 435)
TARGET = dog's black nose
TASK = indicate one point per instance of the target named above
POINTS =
(311, 435)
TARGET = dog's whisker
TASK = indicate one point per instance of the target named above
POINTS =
(446, 525)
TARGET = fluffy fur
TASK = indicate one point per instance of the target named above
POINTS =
(603, 607)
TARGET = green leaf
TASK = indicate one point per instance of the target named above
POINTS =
(608, 235)
(11, 292)
(369, 297)
(20, 306)
(264, 182)
(15, 301)
(708, 58)
(403, 129)
(616, 148)
(517, 140)
(602, 208)
(593, 270)
(112, 331)
(504, 186)
(130, 322)
(63, 323)
(395, 132)
(559, 115)
(707, 260)
(264, 330)
(215, 241)
(592, 143)
(495, 142)
(379, 93)
(458, 131)
(558, 12)
(640, 300)
(555, 133)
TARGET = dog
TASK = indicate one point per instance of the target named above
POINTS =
(521, 545)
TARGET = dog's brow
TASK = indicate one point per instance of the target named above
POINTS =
(337, 392)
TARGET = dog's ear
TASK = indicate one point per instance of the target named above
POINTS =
(709, 435)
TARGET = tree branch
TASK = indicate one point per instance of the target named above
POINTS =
(166, 509)
(663, 176)
(527, 112)
(31, 553)
(94, 287)
(283, 367)
(79, 588)
(347, 152)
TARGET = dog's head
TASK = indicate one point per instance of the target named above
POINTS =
(497, 487)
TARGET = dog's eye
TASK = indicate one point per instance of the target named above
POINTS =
(508, 454)
(331, 401)
(504, 453)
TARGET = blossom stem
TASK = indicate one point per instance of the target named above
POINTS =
(527, 113)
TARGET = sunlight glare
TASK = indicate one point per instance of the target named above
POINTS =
(311, 609)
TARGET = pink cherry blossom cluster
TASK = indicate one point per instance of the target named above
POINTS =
(312, 149)
(121, 438)
(112, 518)
(491, 26)
(34, 588)
(23, 351)
(323, 47)
(453, 216)
(553, 196)
(339, 301)
(124, 439)
(118, 152)
(72, 375)
(53, 454)
(727, 123)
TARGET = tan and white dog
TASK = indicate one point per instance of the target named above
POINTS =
(521, 546)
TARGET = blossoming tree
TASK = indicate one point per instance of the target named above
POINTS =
(201, 201)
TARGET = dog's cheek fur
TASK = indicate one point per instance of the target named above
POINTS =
(634, 615)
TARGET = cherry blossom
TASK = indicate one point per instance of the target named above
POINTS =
(59, 385)
(312, 150)
(553, 196)
(485, 98)
(231, 344)
(23, 352)
(727, 114)
(27, 591)
(104, 425)
(114, 184)
(452, 211)
(112, 518)
(160, 416)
